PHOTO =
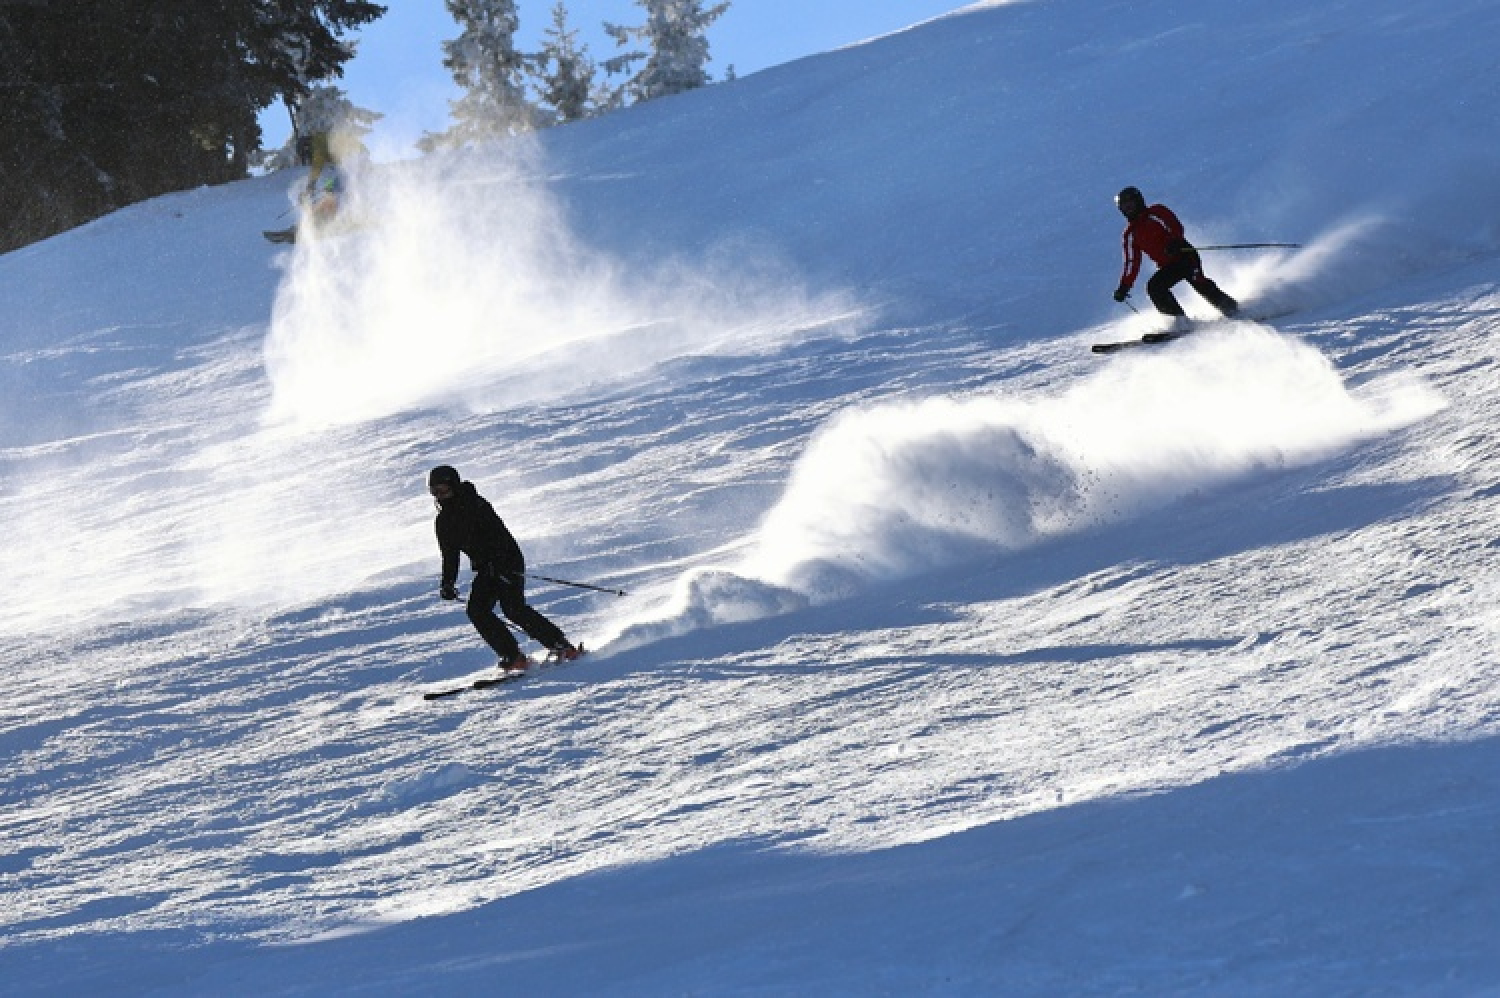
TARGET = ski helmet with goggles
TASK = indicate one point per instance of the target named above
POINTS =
(443, 475)
(1130, 201)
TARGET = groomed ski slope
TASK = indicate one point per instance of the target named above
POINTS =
(957, 660)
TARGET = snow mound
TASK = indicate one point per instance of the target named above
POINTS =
(429, 785)
(708, 598)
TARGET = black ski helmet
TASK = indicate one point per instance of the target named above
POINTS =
(1129, 201)
(443, 474)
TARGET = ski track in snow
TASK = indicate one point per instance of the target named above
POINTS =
(170, 774)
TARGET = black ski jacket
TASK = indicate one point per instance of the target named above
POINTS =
(468, 524)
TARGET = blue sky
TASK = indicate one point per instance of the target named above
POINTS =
(399, 71)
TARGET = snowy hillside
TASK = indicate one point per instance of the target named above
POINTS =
(956, 659)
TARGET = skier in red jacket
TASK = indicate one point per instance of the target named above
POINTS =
(1156, 232)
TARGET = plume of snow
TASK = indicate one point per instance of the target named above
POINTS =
(893, 490)
(898, 489)
(457, 281)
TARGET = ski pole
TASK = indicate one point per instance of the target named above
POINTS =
(1234, 246)
(575, 585)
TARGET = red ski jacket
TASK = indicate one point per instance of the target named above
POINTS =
(1155, 232)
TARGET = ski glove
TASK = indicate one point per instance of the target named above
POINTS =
(448, 592)
(1121, 293)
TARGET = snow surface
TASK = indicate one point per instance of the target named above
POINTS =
(956, 660)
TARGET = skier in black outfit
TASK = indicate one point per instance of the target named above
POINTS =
(467, 524)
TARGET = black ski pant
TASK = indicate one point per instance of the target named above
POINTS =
(491, 587)
(1187, 268)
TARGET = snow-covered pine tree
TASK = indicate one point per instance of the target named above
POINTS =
(484, 62)
(677, 33)
(565, 73)
(106, 104)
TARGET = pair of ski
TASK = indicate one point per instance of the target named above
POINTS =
(500, 679)
(1168, 337)
(1146, 340)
